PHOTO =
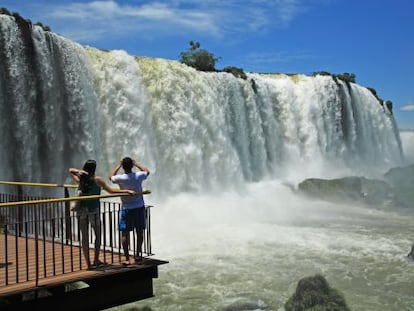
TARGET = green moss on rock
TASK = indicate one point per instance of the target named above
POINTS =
(342, 188)
(314, 294)
(349, 189)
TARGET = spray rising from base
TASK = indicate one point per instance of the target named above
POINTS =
(238, 250)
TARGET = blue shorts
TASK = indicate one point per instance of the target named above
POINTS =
(131, 219)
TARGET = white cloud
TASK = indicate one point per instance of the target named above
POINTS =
(96, 18)
(92, 21)
(409, 107)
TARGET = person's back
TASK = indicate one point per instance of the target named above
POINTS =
(130, 180)
(88, 186)
(132, 214)
(88, 210)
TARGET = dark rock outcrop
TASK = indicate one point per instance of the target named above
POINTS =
(314, 293)
(401, 180)
(395, 190)
(346, 189)
(411, 253)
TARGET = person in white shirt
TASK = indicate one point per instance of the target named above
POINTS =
(132, 214)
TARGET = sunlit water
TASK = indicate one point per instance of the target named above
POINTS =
(247, 251)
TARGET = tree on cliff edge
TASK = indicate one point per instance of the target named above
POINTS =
(197, 58)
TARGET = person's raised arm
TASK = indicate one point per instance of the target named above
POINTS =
(108, 189)
(75, 173)
(115, 170)
(141, 167)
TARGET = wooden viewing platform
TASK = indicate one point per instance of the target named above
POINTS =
(106, 286)
(42, 265)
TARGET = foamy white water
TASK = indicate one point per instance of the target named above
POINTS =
(236, 251)
(407, 139)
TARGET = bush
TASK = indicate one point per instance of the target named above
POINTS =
(235, 71)
(44, 27)
(4, 11)
(199, 59)
(321, 73)
(20, 20)
(347, 77)
(389, 105)
(373, 91)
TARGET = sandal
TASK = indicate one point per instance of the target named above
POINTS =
(99, 263)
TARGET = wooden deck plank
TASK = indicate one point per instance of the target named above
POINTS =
(81, 275)
(55, 261)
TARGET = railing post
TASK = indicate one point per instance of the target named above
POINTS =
(68, 220)
(20, 209)
(37, 248)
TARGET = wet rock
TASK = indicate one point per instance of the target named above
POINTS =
(411, 253)
(361, 189)
(401, 180)
(342, 188)
(394, 190)
(314, 293)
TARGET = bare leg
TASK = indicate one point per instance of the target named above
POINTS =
(96, 224)
(140, 239)
(125, 244)
(83, 226)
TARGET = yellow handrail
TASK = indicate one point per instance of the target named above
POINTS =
(36, 184)
(86, 197)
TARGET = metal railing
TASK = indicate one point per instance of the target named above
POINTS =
(40, 237)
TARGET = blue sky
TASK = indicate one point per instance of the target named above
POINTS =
(374, 39)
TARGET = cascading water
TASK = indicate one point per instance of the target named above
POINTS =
(407, 138)
(61, 103)
(47, 103)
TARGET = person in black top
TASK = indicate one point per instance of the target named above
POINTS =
(88, 211)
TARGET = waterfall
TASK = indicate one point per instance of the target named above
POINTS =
(47, 104)
(407, 138)
(62, 103)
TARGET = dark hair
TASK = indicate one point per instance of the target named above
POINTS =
(87, 180)
(127, 164)
(90, 167)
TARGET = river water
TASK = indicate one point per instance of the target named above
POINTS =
(247, 251)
